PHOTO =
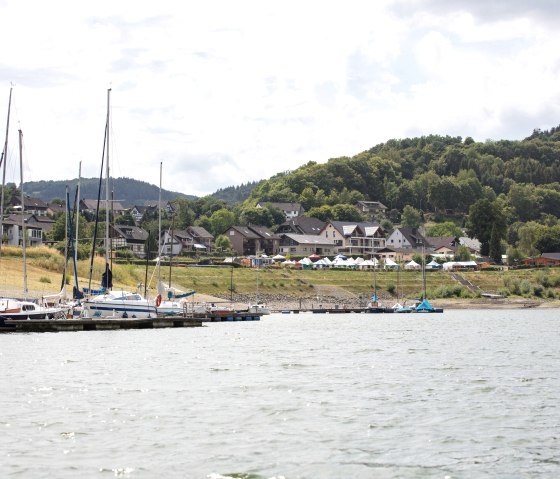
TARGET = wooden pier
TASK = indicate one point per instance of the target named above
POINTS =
(111, 323)
(96, 324)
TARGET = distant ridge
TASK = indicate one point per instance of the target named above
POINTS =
(127, 191)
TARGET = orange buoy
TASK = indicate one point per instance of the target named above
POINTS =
(158, 300)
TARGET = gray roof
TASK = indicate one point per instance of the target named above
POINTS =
(131, 232)
(199, 232)
(413, 236)
(92, 205)
(302, 225)
(308, 239)
(246, 231)
(346, 228)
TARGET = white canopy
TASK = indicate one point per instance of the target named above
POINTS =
(412, 265)
(389, 263)
(278, 256)
(368, 264)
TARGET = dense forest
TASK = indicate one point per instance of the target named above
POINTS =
(235, 194)
(129, 192)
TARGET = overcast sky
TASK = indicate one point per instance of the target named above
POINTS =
(225, 92)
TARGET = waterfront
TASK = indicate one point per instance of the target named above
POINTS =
(467, 393)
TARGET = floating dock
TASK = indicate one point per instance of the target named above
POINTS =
(96, 324)
(111, 323)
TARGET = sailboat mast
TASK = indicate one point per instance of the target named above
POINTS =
(78, 209)
(160, 240)
(23, 229)
(107, 210)
(3, 161)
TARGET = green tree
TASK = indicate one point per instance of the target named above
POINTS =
(346, 212)
(221, 221)
(324, 213)
(256, 216)
(484, 217)
(222, 243)
(126, 219)
(495, 246)
(447, 228)
(411, 217)
(462, 253)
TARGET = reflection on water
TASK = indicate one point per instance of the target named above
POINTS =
(459, 394)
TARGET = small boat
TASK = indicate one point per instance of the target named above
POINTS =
(11, 308)
(425, 307)
(399, 308)
(122, 304)
(258, 308)
(211, 308)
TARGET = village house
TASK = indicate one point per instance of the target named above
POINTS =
(139, 212)
(193, 239)
(290, 210)
(129, 237)
(12, 229)
(301, 225)
(374, 210)
(167, 206)
(89, 207)
(33, 206)
(202, 239)
(253, 240)
(354, 238)
(406, 238)
(545, 259)
(305, 245)
(443, 245)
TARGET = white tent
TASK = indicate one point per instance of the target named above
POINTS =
(305, 261)
(412, 265)
(390, 264)
(433, 265)
(368, 264)
(322, 263)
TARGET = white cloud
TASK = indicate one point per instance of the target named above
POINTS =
(228, 92)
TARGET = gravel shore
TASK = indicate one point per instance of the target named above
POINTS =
(279, 302)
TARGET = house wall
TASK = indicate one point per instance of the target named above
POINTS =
(397, 240)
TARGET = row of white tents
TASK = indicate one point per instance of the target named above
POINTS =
(355, 263)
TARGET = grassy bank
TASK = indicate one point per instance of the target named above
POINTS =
(45, 267)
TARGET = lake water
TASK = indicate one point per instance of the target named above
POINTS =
(452, 395)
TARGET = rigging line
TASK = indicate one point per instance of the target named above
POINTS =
(97, 208)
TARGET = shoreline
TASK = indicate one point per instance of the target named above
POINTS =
(277, 302)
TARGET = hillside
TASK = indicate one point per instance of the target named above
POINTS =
(127, 191)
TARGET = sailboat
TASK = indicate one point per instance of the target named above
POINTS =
(105, 302)
(374, 306)
(24, 309)
(424, 306)
(168, 300)
(258, 307)
(398, 307)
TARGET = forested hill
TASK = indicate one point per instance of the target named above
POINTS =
(432, 173)
(235, 194)
(127, 191)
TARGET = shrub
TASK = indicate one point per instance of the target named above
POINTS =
(524, 287)
(44, 279)
(538, 291)
(391, 288)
